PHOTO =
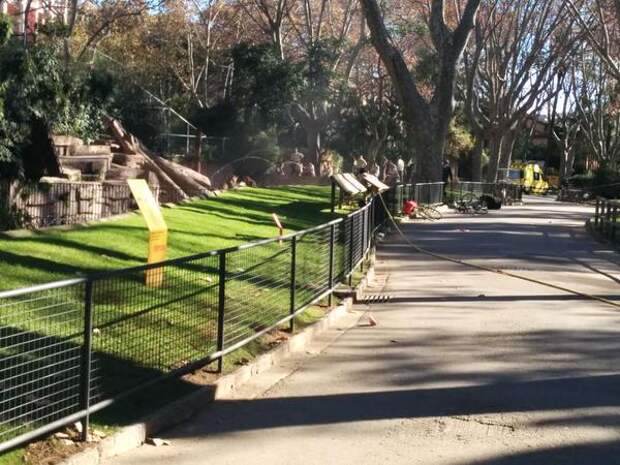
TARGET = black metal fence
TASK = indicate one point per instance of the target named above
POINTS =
(423, 193)
(508, 193)
(606, 218)
(438, 192)
(64, 203)
(71, 348)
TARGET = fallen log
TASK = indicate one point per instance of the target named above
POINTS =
(131, 145)
(180, 175)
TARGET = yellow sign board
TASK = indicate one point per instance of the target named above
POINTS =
(158, 231)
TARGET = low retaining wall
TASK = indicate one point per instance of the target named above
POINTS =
(60, 202)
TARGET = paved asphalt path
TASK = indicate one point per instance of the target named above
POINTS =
(464, 367)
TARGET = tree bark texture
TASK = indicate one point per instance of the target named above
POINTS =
(426, 122)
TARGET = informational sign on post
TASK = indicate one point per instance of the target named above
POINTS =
(158, 230)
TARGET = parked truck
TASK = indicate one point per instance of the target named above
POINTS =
(529, 175)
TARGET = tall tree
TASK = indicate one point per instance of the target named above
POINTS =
(565, 121)
(598, 103)
(518, 53)
(600, 22)
(427, 121)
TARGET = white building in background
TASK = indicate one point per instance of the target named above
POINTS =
(39, 12)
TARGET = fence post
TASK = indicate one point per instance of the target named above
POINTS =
(351, 250)
(597, 211)
(363, 238)
(614, 217)
(332, 238)
(87, 350)
(293, 281)
(220, 312)
(608, 219)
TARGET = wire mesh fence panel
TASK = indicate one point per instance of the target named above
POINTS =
(357, 245)
(312, 265)
(257, 289)
(340, 257)
(347, 251)
(152, 320)
(41, 340)
(436, 193)
(142, 331)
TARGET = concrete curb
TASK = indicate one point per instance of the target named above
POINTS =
(358, 292)
(133, 436)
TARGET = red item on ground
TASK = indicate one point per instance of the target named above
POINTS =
(409, 207)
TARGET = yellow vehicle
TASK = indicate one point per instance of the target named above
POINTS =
(528, 175)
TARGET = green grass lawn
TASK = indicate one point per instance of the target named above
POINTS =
(143, 332)
(231, 219)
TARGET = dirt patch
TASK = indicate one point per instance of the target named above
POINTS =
(54, 449)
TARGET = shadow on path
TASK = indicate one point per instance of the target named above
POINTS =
(529, 396)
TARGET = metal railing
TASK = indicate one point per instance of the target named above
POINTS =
(50, 204)
(460, 189)
(71, 348)
(508, 193)
(422, 193)
(606, 218)
(439, 192)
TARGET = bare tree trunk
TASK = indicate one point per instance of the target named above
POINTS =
(312, 127)
(567, 162)
(426, 122)
(430, 165)
(476, 159)
(495, 148)
(508, 144)
(313, 139)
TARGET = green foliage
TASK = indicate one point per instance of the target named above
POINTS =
(264, 84)
(581, 180)
(318, 74)
(427, 66)
(46, 95)
(6, 29)
(219, 120)
(265, 144)
(360, 122)
(605, 181)
(460, 141)
(12, 218)
(54, 29)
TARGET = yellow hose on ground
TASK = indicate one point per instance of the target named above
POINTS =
(491, 270)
